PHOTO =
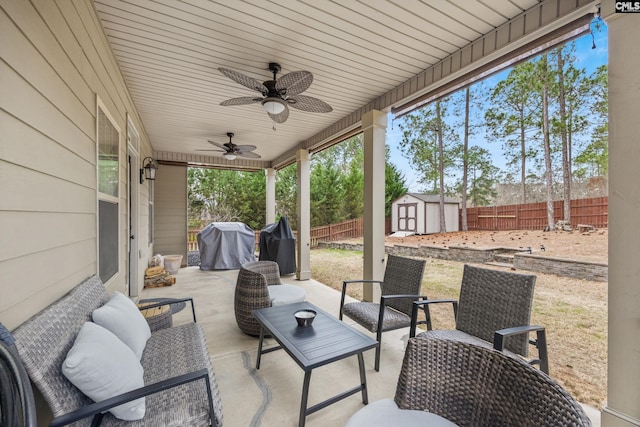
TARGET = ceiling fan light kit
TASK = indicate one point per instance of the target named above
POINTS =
(229, 156)
(273, 105)
(278, 94)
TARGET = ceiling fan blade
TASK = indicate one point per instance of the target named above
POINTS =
(243, 100)
(221, 146)
(309, 103)
(215, 151)
(245, 148)
(246, 81)
(295, 82)
(280, 118)
(249, 155)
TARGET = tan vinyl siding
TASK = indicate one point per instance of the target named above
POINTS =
(54, 63)
(171, 217)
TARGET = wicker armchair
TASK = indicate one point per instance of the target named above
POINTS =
(471, 385)
(494, 307)
(259, 286)
(400, 287)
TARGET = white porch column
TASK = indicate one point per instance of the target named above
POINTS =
(374, 125)
(303, 241)
(623, 388)
(270, 208)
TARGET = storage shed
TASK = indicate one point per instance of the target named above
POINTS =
(415, 213)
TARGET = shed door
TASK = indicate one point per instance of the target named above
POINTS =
(407, 216)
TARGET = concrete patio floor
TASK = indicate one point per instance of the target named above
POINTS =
(271, 395)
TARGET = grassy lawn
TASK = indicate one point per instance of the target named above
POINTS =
(573, 311)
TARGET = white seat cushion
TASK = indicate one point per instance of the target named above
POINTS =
(102, 366)
(285, 294)
(385, 412)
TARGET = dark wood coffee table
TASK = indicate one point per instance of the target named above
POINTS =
(327, 340)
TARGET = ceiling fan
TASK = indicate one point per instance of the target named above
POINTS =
(278, 94)
(231, 151)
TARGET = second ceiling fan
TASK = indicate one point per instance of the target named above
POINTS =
(278, 94)
(231, 151)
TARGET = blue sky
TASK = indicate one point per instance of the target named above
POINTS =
(586, 57)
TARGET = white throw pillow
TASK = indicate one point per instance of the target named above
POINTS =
(121, 316)
(102, 366)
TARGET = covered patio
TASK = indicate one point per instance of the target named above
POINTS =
(92, 91)
(271, 395)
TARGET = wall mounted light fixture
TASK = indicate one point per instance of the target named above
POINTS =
(148, 170)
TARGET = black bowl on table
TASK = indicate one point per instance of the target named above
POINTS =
(304, 317)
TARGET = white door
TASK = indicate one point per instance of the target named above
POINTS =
(133, 189)
(407, 216)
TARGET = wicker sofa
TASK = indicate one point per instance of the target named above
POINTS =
(179, 385)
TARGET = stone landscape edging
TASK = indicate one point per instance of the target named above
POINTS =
(586, 270)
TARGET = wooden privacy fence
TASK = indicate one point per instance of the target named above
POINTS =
(533, 216)
(325, 233)
(341, 230)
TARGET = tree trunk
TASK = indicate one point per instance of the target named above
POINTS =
(465, 160)
(566, 161)
(547, 142)
(443, 225)
(523, 161)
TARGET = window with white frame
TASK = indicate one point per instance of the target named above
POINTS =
(108, 165)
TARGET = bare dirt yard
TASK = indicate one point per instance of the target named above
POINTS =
(573, 311)
(583, 246)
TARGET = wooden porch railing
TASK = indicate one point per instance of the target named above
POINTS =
(192, 239)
